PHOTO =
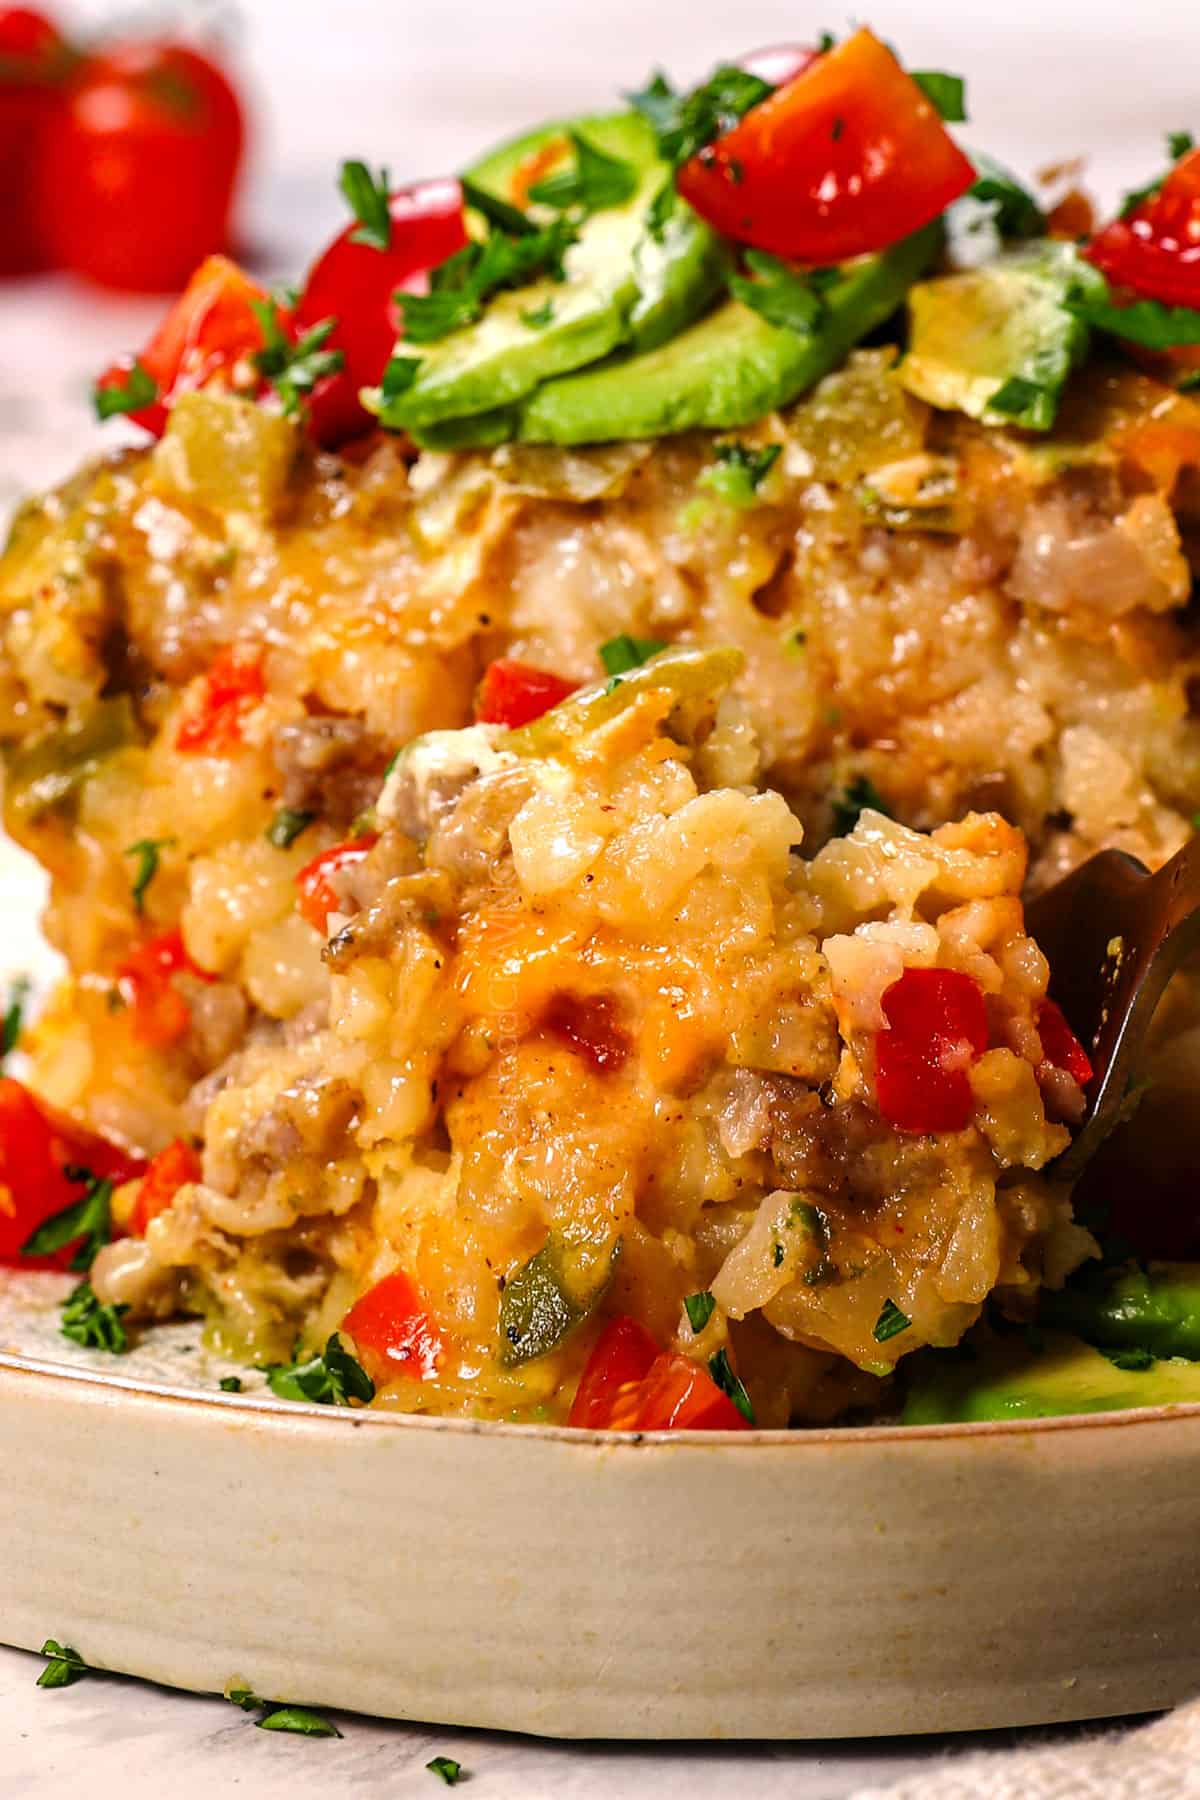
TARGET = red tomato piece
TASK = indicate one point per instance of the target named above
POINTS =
(589, 1025)
(846, 158)
(210, 333)
(938, 1027)
(1156, 251)
(37, 1145)
(1060, 1046)
(170, 1170)
(356, 284)
(137, 179)
(513, 693)
(390, 1324)
(230, 691)
(161, 1015)
(678, 1395)
(610, 1387)
(33, 61)
(317, 897)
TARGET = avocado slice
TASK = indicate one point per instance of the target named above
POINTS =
(997, 342)
(1154, 1308)
(731, 367)
(1008, 1379)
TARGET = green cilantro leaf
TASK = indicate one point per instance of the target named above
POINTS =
(661, 210)
(65, 1666)
(699, 1308)
(146, 850)
(781, 295)
(1146, 322)
(10, 1027)
(460, 287)
(1016, 214)
(721, 1370)
(1131, 1359)
(620, 654)
(450, 1771)
(855, 798)
(890, 1323)
(140, 390)
(497, 212)
(947, 92)
(398, 376)
(294, 369)
(231, 1384)
(333, 1378)
(298, 1718)
(96, 1327)
(287, 826)
(739, 471)
(657, 102)
(685, 123)
(597, 181)
(368, 198)
(245, 1697)
(89, 1219)
(1027, 402)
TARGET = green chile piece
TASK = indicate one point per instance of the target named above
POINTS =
(547, 1298)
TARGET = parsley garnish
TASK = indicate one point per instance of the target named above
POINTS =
(301, 1719)
(245, 1697)
(89, 1219)
(721, 1370)
(1131, 1359)
(496, 211)
(96, 1327)
(739, 471)
(699, 1308)
(65, 1666)
(1178, 145)
(538, 317)
(368, 199)
(1016, 214)
(781, 295)
(1027, 402)
(146, 850)
(855, 798)
(140, 390)
(398, 377)
(294, 369)
(287, 826)
(947, 92)
(450, 1771)
(890, 1323)
(620, 654)
(685, 123)
(660, 210)
(1146, 322)
(333, 1378)
(231, 1384)
(596, 182)
(10, 1027)
(461, 285)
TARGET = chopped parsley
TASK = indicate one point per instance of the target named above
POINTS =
(64, 1666)
(398, 377)
(660, 210)
(298, 1718)
(88, 1219)
(1027, 402)
(858, 796)
(146, 850)
(685, 123)
(496, 211)
(245, 1697)
(140, 390)
(333, 1378)
(620, 654)
(460, 287)
(96, 1327)
(450, 1771)
(721, 1370)
(1146, 322)
(890, 1323)
(368, 199)
(231, 1384)
(1131, 1359)
(739, 471)
(287, 825)
(948, 93)
(294, 369)
(780, 294)
(595, 182)
(1015, 212)
(14, 1013)
(1178, 145)
(777, 1254)
(699, 1309)
(538, 317)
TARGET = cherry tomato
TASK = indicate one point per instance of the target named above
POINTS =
(390, 1326)
(938, 1027)
(589, 1024)
(846, 158)
(608, 1394)
(1060, 1046)
(210, 333)
(161, 1015)
(1156, 251)
(137, 179)
(37, 1145)
(33, 62)
(354, 284)
(233, 687)
(512, 693)
(317, 897)
(170, 1170)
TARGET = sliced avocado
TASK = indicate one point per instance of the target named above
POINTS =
(1010, 1379)
(1155, 1308)
(997, 342)
(731, 367)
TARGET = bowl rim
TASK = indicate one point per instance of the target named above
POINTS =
(266, 1407)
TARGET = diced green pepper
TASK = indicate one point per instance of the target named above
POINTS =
(1156, 1308)
(226, 453)
(686, 671)
(548, 1297)
(47, 774)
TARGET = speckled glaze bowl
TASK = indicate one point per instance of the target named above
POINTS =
(812, 1584)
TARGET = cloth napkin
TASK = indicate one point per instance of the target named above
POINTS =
(1152, 1762)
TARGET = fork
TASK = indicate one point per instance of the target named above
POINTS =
(1114, 934)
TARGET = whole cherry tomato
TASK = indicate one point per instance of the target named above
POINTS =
(33, 61)
(138, 172)
(354, 283)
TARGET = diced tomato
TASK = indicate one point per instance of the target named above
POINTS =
(33, 61)
(847, 157)
(1060, 1046)
(161, 1015)
(37, 1145)
(317, 898)
(230, 691)
(630, 1385)
(589, 1025)
(210, 332)
(1155, 252)
(678, 1395)
(356, 284)
(170, 1170)
(391, 1327)
(513, 693)
(937, 1027)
